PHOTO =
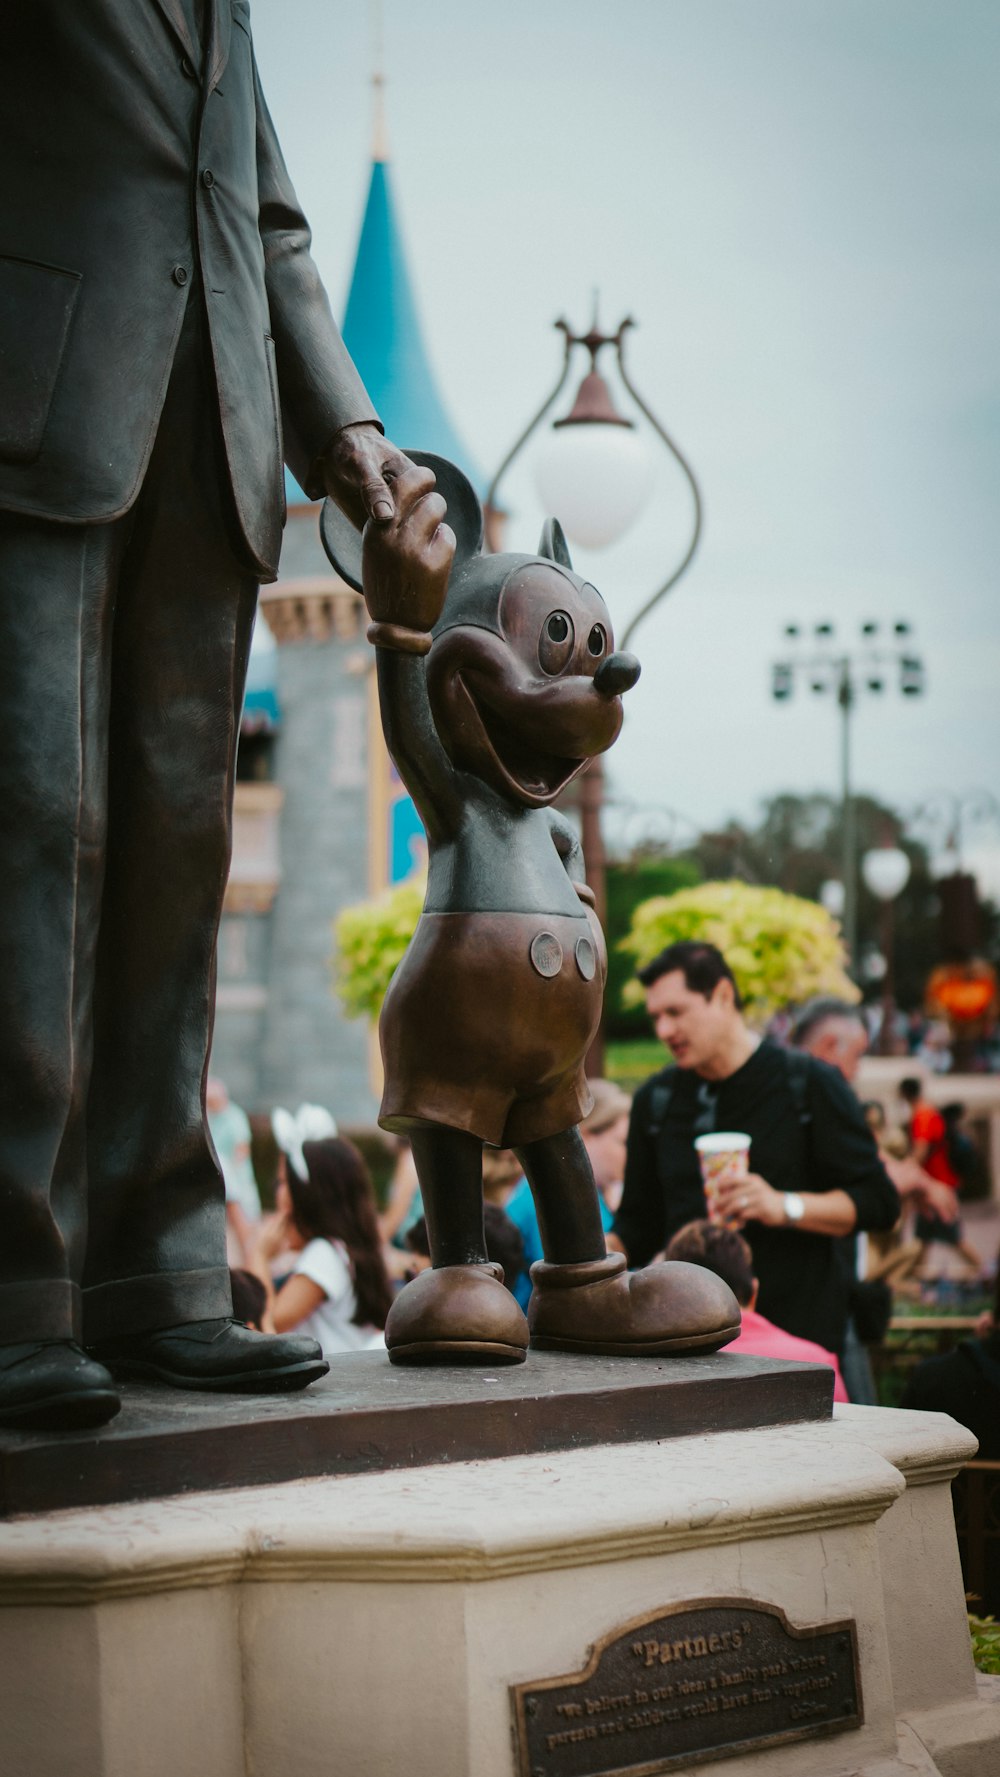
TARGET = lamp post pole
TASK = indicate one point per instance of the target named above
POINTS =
(888, 937)
(848, 812)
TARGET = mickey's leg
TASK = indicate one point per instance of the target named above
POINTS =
(459, 1312)
(584, 1299)
(562, 1184)
(450, 1170)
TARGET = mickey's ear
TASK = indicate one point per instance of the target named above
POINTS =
(341, 542)
(465, 516)
(553, 545)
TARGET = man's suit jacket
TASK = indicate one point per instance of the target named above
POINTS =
(133, 166)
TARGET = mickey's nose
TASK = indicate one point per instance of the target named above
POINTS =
(617, 674)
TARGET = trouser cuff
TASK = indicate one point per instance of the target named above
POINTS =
(44, 1308)
(163, 1299)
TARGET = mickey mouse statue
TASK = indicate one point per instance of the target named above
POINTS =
(497, 682)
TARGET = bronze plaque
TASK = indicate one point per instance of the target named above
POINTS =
(697, 1682)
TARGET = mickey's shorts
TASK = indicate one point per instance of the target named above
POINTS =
(487, 1024)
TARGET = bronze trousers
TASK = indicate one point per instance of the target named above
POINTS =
(123, 650)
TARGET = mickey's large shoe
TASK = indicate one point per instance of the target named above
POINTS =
(220, 1356)
(51, 1385)
(602, 1308)
(460, 1314)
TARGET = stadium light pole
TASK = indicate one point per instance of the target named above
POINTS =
(826, 667)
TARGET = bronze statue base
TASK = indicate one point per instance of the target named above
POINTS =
(368, 1415)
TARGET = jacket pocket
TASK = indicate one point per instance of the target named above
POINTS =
(272, 377)
(36, 309)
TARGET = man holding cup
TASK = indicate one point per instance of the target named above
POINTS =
(798, 1166)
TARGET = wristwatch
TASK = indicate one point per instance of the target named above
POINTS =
(795, 1209)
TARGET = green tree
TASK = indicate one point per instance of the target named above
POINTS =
(629, 883)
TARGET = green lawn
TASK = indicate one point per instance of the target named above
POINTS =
(629, 1063)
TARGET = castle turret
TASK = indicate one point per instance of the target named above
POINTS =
(320, 820)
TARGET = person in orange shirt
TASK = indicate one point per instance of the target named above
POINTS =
(929, 1148)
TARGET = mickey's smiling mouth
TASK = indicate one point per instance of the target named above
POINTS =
(519, 730)
(536, 776)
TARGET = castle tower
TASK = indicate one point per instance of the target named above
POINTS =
(319, 820)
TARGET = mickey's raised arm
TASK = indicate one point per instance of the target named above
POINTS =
(402, 565)
(405, 568)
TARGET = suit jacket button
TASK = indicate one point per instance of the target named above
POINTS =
(208, 178)
(187, 68)
(180, 274)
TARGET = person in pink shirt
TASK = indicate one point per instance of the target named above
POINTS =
(722, 1250)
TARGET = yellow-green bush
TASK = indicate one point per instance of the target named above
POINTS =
(371, 940)
(985, 1632)
(781, 949)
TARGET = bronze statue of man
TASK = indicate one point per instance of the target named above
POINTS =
(165, 342)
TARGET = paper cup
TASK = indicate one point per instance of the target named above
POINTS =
(723, 1151)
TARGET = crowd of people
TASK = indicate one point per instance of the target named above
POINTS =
(829, 1205)
(928, 1040)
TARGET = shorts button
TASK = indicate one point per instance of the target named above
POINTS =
(586, 958)
(546, 954)
(208, 178)
(180, 274)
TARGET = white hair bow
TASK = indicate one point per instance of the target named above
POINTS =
(292, 1130)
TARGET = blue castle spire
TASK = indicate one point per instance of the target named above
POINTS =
(383, 334)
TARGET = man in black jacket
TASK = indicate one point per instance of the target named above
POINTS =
(165, 342)
(814, 1168)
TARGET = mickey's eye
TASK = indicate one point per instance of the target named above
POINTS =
(555, 646)
(597, 641)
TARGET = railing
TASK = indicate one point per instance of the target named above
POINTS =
(910, 1339)
(976, 1497)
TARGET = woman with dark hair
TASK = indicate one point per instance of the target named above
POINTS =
(338, 1289)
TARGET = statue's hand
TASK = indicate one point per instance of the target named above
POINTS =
(407, 559)
(359, 468)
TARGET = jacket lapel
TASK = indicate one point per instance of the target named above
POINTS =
(219, 22)
(173, 12)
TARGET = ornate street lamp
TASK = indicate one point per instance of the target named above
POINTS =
(593, 473)
(886, 872)
(827, 668)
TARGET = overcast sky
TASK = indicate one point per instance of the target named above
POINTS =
(798, 200)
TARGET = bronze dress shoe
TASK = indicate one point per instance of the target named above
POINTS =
(217, 1355)
(52, 1385)
(601, 1307)
(460, 1314)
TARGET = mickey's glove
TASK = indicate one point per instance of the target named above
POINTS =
(406, 560)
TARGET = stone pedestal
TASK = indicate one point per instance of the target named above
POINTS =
(374, 1623)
